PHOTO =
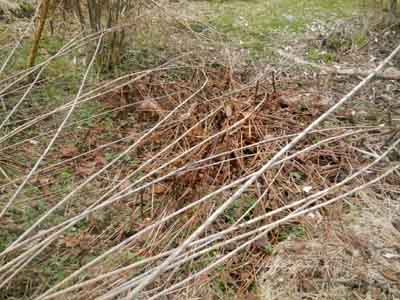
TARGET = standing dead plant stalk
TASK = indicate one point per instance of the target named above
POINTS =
(37, 34)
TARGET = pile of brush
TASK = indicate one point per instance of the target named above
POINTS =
(165, 149)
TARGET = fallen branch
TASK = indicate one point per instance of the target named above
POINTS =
(388, 74)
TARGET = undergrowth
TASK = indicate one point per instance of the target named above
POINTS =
(223, 126)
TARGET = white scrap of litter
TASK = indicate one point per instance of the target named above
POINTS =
(307, 189)
(391, 255)
(33, 142)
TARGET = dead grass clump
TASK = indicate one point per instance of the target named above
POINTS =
(357, 258)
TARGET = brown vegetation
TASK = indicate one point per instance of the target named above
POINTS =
(194, 178)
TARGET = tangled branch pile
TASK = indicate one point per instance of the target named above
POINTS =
(175, 176)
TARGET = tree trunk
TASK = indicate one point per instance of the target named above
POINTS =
(393, 8)
(40, 22)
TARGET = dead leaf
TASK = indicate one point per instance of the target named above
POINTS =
(86, 168)
(228, 110)
(82, 241)
(391, 276)
(85, 241)
(156, 137)
(197, 131)
(149, 105)
(68, 151)
(71, 241)
(100, 159)
(112, 99)
(160, 189)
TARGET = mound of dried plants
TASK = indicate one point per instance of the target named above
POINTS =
(186, 176)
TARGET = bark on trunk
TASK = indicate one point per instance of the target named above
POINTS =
(40, 22)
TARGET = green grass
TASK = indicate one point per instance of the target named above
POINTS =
(64, 79)
(49, 45)
(292, 231)
(315, 54)
(61, 77)
(257, 24)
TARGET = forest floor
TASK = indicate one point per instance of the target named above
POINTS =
(349, 250)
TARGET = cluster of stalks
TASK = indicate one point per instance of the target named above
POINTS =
(205, 142)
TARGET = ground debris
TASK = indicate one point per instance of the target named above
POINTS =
(358, 258)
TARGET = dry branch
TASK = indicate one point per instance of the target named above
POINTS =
(388, 74)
